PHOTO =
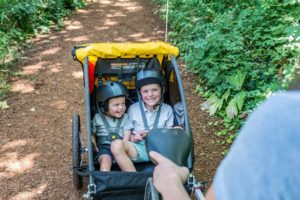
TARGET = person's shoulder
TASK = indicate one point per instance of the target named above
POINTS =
(133, 106)
(96, 117)
(284, 97)
(274, 120)
(280, 103)
(125, 116)
(268, 138)
(166, 106)
(109, 118)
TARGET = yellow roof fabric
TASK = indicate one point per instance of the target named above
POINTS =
(125, 50)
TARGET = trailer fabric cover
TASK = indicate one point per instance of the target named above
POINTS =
(124, 50)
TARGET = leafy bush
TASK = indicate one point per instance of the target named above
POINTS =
(243, 51)
(22, 19)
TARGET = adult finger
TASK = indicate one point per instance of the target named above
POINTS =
(184, 173)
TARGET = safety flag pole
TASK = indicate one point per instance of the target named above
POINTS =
(167, 18)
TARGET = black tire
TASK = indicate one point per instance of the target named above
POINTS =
(76, 150)
(150, 191)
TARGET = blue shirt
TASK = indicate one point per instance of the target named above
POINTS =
(264, 161)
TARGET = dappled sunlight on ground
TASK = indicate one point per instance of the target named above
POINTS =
(117, 14)
(78, 39)
(23, 86)
(130, 6)
(78, 74)
(13, 163)
(109, 22)
(73, 25)
(59, 104)
(32, 69)
(102, 28)
(63, 32)
(16, 144)
(31, 194)
(55, 68)
(83, 11)
(106, 2)
(53, 37)
(39, 38)
(135, 35)
(120, 39)
(50, 51)
(144, 39)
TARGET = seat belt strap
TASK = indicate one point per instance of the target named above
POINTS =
(144, 115)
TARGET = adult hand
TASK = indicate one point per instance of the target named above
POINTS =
(169, 177)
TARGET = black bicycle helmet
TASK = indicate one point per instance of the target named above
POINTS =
(147, 76)
(110, 90)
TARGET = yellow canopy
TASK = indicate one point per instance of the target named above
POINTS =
(124, 50)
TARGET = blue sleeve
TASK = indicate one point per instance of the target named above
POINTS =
(264, 161)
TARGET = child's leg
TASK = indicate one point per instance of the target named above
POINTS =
(123, 152)
(104, 157)
(105, 162)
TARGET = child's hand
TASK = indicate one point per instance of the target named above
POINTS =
(143, 133)
(138, 136)
(95, 147)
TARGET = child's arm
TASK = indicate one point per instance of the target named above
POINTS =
(94, 129)
(127, 135)
(138, 136)
(127, 127)
(94, 142)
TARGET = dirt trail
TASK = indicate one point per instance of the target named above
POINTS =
(35, 149)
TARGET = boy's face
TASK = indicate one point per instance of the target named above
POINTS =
(151, 94)
(116, 107)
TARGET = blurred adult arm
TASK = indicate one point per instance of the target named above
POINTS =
(263, 162)
(169, 178)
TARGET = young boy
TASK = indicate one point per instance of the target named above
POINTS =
(150, 112)
(108, 124)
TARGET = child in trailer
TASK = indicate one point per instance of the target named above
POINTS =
(108, 124)
(149, 113)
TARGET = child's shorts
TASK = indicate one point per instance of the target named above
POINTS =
(141, 151)
(103, 150)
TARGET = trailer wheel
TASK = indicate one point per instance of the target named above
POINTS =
(76, 150)
(150, 191)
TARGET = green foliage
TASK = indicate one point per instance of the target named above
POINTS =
(242, 50)
(20, 20)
